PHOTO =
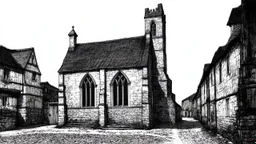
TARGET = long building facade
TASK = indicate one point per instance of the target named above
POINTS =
(226, 96)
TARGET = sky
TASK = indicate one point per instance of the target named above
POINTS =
(194, 31)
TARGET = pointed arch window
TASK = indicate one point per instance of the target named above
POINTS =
(153, 28)
(120, 89)
(88, 91)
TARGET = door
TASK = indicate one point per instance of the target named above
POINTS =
(53, 114)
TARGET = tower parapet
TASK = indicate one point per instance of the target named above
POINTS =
(159, 11)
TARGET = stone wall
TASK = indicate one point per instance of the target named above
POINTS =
(7, 119)
(247, 128)
(218, 93)
(116, 115)
(83, 115)
(130, 116)
(186, 108)
(29, 116)
(72, 88)
(226, 93)
(134, 89)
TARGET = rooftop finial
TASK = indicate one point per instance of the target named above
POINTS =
(72, 32)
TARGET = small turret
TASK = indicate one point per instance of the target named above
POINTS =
(72, 39)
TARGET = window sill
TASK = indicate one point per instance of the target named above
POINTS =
(83, 107)
(6, 81)
(124, 107)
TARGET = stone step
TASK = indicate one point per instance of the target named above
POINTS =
(83, 124)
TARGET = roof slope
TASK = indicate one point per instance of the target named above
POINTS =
(235, 16)
(189, 97)
(22, 56)
(120, 53)
(219, 54)
(7, 59)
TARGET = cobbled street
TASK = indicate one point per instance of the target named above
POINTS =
(189, 131)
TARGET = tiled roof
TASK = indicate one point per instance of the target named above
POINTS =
(120, 53)
(189, 97)
(22, 56)
(219, 54)
(235, 16)
(15, 58)
(7, 59)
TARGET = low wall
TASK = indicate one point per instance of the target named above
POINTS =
(130, 116)
(7, 119)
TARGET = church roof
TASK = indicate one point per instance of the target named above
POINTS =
(121, 53)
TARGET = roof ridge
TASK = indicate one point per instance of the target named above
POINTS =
(113, 40)
(20, 50)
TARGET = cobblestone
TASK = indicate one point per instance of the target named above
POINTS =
(188, 131)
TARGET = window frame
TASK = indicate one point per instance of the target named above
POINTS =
(6, 74)
(33, 76)
(123, 89)
(83, 94)
(227, 107)
(5, 101)
(228, 66)
(153, 28)
(220, 73)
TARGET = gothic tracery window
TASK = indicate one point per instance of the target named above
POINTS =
(120, 90)
(153, 28)
(88, 92)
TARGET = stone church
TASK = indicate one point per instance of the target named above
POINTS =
(122, 82)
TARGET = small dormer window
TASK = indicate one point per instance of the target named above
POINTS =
(153, 28)
(6, 74)
(34, 76)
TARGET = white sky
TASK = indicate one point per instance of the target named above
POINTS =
(195, 29)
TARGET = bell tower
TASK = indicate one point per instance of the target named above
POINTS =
(163, 98)
(155, 24)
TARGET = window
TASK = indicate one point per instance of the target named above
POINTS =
(88, 92)
(6, 74)
(220, 71)
(153, 28)
(227, 107)
(4, 101)
(120, 90)
(211, 79)
(228, 71)
(34, 76)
